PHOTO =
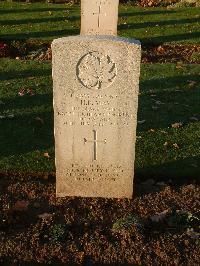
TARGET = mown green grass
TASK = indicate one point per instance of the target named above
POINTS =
(25, 138)
(49, 21)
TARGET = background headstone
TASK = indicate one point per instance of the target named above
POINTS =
(99, 17)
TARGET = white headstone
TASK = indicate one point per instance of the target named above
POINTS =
(95, 82)
(99, 17)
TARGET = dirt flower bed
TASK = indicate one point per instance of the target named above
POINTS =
(150, 53)
(160, 226)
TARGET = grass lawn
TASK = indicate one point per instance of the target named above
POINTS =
(168, 94)
(49, 21)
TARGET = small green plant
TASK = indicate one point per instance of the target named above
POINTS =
(57, 232)
(182, 219)
(127, 222)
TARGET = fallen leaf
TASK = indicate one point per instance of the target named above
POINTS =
(10, 116)
(159, 217)
(45, 216)
(46, 154)
(20, 205)
(22, 92)
(177, 125)
(179, 65)
(140, 122)
(191, 83)
(7, 116)
(166, 143)
(175, 145)
(30, 92)
(163, 131)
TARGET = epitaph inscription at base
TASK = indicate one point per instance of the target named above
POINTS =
(95, 110)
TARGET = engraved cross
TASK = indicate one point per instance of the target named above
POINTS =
(95, 141)
(99, 13)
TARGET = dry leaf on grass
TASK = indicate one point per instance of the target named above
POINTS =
(179, 65)
(177, 125)
(24, 91)
(175, 145)
(7, 116)
(163, 131)
(191, 83)
(30, 92)
(46, 154)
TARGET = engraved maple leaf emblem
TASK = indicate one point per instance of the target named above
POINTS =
(96, 71)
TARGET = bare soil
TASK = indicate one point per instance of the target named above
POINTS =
(36, 227)
(151, 53)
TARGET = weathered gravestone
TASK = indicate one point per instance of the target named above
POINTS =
(95, 81)
(99, 17)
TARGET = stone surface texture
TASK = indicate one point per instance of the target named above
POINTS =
(95, 110)
(99, 17)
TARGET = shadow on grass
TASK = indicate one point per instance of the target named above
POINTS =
(38, 20)
(171, 38)
(180, 172)
(40, 34)
(26, 133)
(31, 10)
(76, 31)
(146, 13)
(157, 23)
(175, 104)
(24, 74)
